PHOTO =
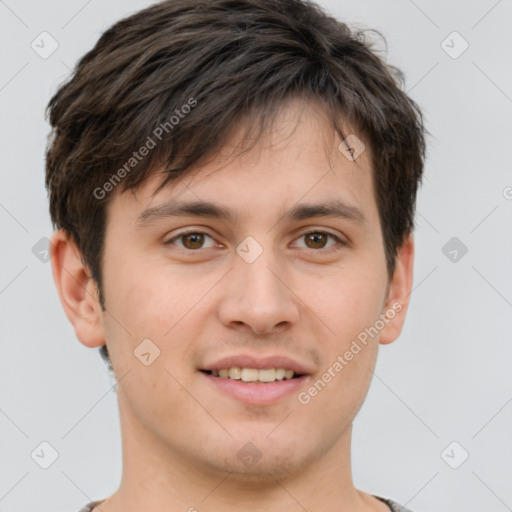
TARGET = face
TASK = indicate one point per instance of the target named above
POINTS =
(272, 285)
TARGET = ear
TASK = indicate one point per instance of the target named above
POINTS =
(397, 300)
(77, 290)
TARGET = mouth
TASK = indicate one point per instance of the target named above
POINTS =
(255, 386)
(254, 375)
(256, 379)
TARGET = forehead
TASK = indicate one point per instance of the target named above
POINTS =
(301, 159)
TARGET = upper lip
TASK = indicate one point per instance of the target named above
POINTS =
(260, 363)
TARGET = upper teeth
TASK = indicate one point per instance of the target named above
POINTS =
(254, 374)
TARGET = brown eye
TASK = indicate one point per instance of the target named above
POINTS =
(318, 240)
(196, 240)
(192, 241)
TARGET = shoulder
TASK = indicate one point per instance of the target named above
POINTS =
(393, 505)
(89, 507)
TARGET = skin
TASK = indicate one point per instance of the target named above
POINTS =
(181, 435)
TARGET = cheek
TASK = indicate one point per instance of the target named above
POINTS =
(347, 302)
(348, 308)
(162, 306)
(150, 306)
(140, 306)
(147, 297)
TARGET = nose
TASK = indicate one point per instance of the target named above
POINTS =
(259, 296)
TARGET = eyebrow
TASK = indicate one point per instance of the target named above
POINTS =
(176, 208)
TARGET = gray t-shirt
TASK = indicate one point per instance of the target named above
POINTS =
(393, 505)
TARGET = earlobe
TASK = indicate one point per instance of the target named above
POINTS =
(77, 290)
(400, 288)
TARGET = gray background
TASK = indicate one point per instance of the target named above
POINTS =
(446, 379)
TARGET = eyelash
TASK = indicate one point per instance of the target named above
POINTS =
(329, 250)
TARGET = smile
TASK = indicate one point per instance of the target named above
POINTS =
(255, 391)
(263, 375)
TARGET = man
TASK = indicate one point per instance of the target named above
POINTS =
(233, 184)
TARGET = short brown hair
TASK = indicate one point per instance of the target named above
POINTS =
(222, 60)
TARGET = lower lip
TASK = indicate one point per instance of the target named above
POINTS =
(257, 394)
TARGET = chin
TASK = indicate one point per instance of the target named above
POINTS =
(260, 460)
